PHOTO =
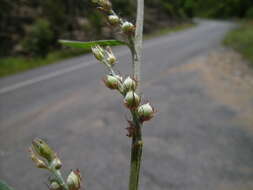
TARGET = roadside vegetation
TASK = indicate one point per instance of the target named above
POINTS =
(241, 39)
(12, 65)
(16, 64)
(30, 30)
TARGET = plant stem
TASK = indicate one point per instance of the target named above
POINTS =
(138, 38)
(136, 154)
(59, 178)
(136, 148)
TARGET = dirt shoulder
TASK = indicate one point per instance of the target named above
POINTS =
(228, 78)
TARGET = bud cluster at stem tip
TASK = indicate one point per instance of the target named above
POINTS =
(106, 7)
(43, 156)
(104, 55)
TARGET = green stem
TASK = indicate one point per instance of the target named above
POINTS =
(59, 178)
(136, 50)
(136, 154)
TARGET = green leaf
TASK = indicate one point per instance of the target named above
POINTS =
(4, 186)
(88, 45)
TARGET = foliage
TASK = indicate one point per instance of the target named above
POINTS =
(88, 45)
(12, 65)
(249, 13)
(221, 9)
(241, 39)
(4, 186)
(39, 39)
(63, 16)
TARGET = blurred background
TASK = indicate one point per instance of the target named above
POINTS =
(197, 72)
(32, 27)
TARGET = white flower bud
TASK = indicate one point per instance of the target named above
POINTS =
(146, 112)
(132, 100)
(128, 27)
(74, 180)
(112, 82)
(129, 85)
(113, 19)
(98, 52)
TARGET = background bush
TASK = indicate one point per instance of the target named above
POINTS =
(77, 20)
(38, 41)
(249, 13)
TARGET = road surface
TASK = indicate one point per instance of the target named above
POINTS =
(193, 143)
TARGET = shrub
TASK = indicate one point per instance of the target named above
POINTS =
(249, 13)
(39, 39)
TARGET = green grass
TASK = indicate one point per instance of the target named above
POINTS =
(241, 39)
(13, 65)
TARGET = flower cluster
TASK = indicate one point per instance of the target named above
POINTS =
(127, 87)
(44, 157)
(106, 7)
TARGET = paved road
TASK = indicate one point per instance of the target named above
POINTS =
(192, 144)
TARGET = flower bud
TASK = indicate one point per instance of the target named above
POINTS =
(74, 180)
(113, 19)
(146, 112)
(128, 27)
(105, 4)
(56, 163)
(129, 85)
(54, 186)
(132, 100)
(111, 59)
(39, 163)
(112, 82)
(43, 150)
(98, 52)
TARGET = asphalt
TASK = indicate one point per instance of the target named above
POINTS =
(193, 143)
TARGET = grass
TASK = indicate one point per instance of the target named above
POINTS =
(241, 39)
(13, 65)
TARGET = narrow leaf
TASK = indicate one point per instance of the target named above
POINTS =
(4, 186)
(88, 45)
